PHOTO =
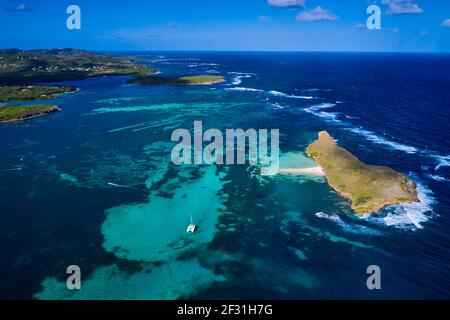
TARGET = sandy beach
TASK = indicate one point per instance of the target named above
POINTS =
(313, 171)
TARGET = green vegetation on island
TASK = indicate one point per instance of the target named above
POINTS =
(185, 80)
(31, 92)
(20, 67)
(18, 113)
(369, 188)
(20, 70)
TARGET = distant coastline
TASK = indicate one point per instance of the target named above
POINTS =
(185, 80)
(22, 74)
(21, 67)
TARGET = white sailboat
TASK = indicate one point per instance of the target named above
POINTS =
(191, 228)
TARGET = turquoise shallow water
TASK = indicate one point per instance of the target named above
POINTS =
(155, 231)
(168, 281)
(94, 186)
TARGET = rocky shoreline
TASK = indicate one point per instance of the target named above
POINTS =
(30, 112)
(369, 188)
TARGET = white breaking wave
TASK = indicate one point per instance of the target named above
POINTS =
(237, 80)
(317, 111)
(371, 136)
(112, 184)
(278, 106)
(410, 215)
(242, 73)
(437, 178)
(319, 107)
(333, 116)
(443, 161)
(285, 95)
(347, 227)
(244, 89)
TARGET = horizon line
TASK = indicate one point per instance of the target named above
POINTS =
(229, 50)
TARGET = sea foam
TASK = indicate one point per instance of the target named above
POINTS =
(238, 76)
(410, 216)
(317, 110)
(327, 116)
(443, 161)
(371, 136)
(347, 227)
(244, 89)
(285, 95)
(438, 178)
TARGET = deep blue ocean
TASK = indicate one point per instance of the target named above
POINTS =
(94, 186)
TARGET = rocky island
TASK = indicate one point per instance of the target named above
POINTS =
(369, 188)
(185, 80)
(19, 113)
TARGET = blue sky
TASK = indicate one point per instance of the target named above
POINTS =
(275, 25)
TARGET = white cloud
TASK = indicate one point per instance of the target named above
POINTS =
(317, 14)
(286, 3)
(263, 18)
(402, 7)
(446, 23)
(19, 8)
